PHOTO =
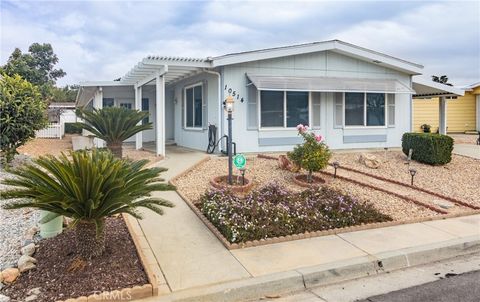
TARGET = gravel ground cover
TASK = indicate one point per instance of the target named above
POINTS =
(44, 146)
(60, 274)
(13, 223)
(262, 171)
(459, 179)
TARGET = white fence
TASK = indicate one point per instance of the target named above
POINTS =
(53, 130)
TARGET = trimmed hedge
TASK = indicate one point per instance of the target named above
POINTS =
(70, 128)
(428, 148)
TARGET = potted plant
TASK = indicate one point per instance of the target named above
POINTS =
(313, 155)
(87, 186)
(426, 128)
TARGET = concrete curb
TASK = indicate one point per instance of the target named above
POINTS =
(295, 280)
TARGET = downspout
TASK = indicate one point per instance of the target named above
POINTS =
(219, 84)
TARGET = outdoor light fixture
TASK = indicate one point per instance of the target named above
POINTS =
(412, 173)
(336, 164)
(229, 104)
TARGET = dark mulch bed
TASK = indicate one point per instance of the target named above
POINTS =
(61, 274)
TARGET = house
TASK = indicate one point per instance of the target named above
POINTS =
(463, 113)
(61, 112)
(352, 96)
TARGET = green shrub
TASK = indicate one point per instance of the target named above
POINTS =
(428, 148)
(87, 186)
(22, 111)
(313, 155)
(71, 128)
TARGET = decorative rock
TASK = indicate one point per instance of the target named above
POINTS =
(31, 298)
(34, 291)
(284, 163)
(369, 160)
(31, 232)
(443, 204)
(10, 274)
(26, 263)
(1, 278)
(28, 250)
(4, 298)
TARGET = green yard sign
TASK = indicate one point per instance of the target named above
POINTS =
(240, 161)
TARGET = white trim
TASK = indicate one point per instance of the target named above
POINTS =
(333, 45)
(185, 107)
(259, 101)
(365, 126)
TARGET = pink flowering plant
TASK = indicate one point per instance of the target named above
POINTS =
(313, 155)
(273, 211)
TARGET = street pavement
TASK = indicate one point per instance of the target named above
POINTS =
(451, 280)
(464, 287)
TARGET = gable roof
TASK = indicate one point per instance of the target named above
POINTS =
(338, 46)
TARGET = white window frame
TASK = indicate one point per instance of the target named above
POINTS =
(259, 98)
(365, 113)
(185, 107)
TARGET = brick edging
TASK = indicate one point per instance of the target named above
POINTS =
(128, 293)
(454, 200)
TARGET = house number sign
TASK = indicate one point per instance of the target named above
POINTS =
(233, 93)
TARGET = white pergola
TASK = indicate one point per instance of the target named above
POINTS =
(425, 89)
(152, 70)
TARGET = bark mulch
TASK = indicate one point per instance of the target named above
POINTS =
(61, 274)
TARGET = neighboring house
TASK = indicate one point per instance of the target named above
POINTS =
(61, 113)
(353, 96)
(463, 112)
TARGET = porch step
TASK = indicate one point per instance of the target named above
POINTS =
(170, 143)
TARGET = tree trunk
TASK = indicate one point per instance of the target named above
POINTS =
(309, 177)
(115, 148)
(90, 243)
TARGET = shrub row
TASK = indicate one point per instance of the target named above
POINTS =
(428, 148)
(71, 128)
(273, 211)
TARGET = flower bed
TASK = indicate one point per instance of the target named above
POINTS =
(272, 211)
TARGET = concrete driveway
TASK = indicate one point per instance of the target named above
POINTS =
(467, 150)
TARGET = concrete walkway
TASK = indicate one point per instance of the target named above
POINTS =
(185, 254)
(467, 150)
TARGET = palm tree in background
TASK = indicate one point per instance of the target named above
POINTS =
(113, 125)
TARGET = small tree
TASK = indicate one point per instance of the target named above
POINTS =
(113, 125)
(313, 155)
(22, 111)
(88, 188)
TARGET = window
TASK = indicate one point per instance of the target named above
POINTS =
(364, 109)
(107, 102)
(126, 105)
(271, 108)
(297, 108)
(193, 106)
(284, 109)
(375, 109)
(145, 108)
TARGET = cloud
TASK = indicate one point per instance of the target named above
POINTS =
(102, 40)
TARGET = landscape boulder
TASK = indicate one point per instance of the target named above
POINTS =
(4, 298)
(369, 160)
(28, 250)
(26, 263)
(10, 274)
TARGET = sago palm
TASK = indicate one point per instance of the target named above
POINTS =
(113, 125)
(87, 186)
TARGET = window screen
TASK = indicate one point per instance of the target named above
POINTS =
(354, 109)
(272, 108)
(297, 108)
(375, 109)
(107, 102)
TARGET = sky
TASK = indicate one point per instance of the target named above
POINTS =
(102, 40)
